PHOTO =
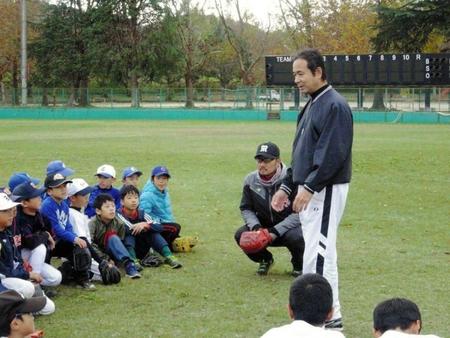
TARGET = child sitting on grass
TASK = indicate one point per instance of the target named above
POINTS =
(106, 175)
(108, 232)
(144, 232)
(155, 201)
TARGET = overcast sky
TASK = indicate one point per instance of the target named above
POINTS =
(260, 9)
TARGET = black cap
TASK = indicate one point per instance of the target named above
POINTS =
(26, 191)
(12, 303)
(267, 150)
(55, 180)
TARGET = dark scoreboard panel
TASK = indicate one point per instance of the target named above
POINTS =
(371, 69)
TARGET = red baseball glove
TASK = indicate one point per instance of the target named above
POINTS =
(255, 241)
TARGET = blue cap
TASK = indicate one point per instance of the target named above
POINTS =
(58, 167)
(26, 191)
(130, 171)
(19, 178)
(160, 171)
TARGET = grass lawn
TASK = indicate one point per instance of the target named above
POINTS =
(393, 240)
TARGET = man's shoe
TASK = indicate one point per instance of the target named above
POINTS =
(296, 273)
(131, 271)
(335, 324)
(264, 267)
(87, 285)
(172, 262)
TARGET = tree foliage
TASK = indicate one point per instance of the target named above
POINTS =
(410, 26)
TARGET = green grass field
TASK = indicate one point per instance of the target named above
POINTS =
(393, 240)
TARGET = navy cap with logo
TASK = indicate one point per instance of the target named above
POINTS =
(26, 191)
(160, 171)
(13, 303)
(55, 180)
(267, 150)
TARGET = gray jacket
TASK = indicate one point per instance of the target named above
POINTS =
(256, 210)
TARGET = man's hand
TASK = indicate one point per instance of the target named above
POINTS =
(279, 201)
(302, 199)
(139, 227)
(80, 242)
(36, 277)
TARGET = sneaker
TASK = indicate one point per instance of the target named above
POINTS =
(138, 266)
(49, 292)
(264, 267)
(334, 324)
(296, 273)
(86, 285)
(131, 271)
(172, 262)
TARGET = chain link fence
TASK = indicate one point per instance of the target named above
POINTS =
(257, 98)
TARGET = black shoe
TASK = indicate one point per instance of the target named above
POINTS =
(49, 292)
(264, 267)
(335, 324)
(87, 285)
(296, 273)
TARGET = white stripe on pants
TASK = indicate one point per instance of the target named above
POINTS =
(320, 234)
(36, 257)
(27, 290)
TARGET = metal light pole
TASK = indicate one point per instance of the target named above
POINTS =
(23, 50)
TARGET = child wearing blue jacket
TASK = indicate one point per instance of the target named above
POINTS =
(106, 175)
(55, 209)
(155, 201)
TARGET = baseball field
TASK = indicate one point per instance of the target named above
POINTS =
(393, 240)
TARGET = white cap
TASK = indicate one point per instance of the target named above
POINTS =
(6, 203)
(106, 170)
(78, 186)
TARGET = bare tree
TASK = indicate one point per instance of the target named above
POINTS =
(297, 17)
(193, 41)
(246, 41)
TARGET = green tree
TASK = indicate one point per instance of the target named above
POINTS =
(123, 39)
(409, 27)
(195, 33)
(61, 51)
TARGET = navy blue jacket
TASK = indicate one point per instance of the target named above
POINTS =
(322, 148)
(11, 264)
(32, 229)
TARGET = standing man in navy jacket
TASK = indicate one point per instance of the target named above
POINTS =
(320, 170)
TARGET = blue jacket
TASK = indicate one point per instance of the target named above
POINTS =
(156, 203)
(115, 193)
(58, 216)
(10, 259)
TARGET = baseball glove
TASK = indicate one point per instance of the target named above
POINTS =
(110, 274)
(81, 259)
(151, 260)
(184, 244)
(254, 241)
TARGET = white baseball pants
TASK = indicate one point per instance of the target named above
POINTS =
(320, 222)
(36, 257)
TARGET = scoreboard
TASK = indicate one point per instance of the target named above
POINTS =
(369, 69)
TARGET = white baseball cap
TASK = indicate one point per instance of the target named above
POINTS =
(6, 203)
(106, 170)
(79, 186)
